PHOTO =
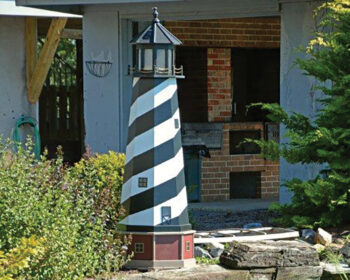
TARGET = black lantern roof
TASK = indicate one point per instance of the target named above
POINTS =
(156, 33)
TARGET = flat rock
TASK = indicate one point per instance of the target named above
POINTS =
(262, 273)
(300, 273)
(264, 254)
(199, 272)
(335, 271)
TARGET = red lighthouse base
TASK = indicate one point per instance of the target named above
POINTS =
(162, 250)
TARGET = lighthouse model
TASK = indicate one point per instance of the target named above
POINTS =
(154, 192)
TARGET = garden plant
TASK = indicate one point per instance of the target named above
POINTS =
(324, 140)
(59, 221)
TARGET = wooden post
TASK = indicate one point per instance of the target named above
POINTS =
(45, 59)
(31, 46)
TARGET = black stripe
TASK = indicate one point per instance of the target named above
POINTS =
(142, 86)
(167, 228)
(153, 157)
(155, 196)
(177, 224)
(153, 118)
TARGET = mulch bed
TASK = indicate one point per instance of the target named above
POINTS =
(213, 220)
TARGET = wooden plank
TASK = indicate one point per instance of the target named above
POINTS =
(31, 46)
(46, 57)
(250, 238)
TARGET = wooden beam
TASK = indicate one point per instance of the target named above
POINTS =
(31, 46)
(45, 59)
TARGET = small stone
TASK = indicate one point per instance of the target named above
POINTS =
(323, 237)
(319, 247)
(339, 241)
(216, 253)
(308, 235)
(215, 245)
(346, 251)
(201, 253)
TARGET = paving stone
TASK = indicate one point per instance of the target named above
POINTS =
(300, 273)
(262, 274)
(199, 272)
(266, 254)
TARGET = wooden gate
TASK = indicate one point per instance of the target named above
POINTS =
(61, 109)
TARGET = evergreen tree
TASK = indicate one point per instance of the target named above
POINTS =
(324, 200)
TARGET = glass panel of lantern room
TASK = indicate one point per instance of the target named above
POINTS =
(161, 58)
(147, 59)
(170, 58)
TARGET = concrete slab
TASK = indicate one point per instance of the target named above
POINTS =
(199, 272)
(233, 205)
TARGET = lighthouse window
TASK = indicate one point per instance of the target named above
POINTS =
(143, 182)
(188, 246)
(166, 214)
(139, 247)
(177, 125)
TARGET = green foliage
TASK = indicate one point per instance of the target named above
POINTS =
(324, 200)
(207, 261)
(18, 259)
(64, 208)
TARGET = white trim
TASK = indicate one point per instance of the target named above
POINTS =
(9, 8)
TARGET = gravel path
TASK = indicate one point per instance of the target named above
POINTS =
(213, 220)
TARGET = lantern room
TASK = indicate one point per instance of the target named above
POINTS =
(155, 52)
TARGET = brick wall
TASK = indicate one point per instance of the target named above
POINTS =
(219, 85)
(215, 182)
(238, 33)
(219, 36)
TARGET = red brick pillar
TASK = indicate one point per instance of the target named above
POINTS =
(219, 85)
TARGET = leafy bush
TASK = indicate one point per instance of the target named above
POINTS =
(18, 259)
(324, 200)
(69, 208)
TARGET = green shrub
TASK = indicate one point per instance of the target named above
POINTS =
(325, 139)
(70, 208)
(18, 259)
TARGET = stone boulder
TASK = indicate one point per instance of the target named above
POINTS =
(266, 254)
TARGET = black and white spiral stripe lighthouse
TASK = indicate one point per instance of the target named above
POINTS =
(154, 192)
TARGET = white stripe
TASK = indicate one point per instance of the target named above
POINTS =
(152, 99)
(153, 216)
(157, 175)
(153, 137)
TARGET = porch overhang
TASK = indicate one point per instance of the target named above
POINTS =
(171, 9)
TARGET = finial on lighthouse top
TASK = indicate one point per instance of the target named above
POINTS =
(155, 15)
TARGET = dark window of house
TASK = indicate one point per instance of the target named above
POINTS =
(255, 78)
(192, 91)
(139, 248)
(237, 138)
(245, 185)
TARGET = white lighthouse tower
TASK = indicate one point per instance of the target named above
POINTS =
(154, 192)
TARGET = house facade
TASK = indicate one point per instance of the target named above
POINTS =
(234, 53)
